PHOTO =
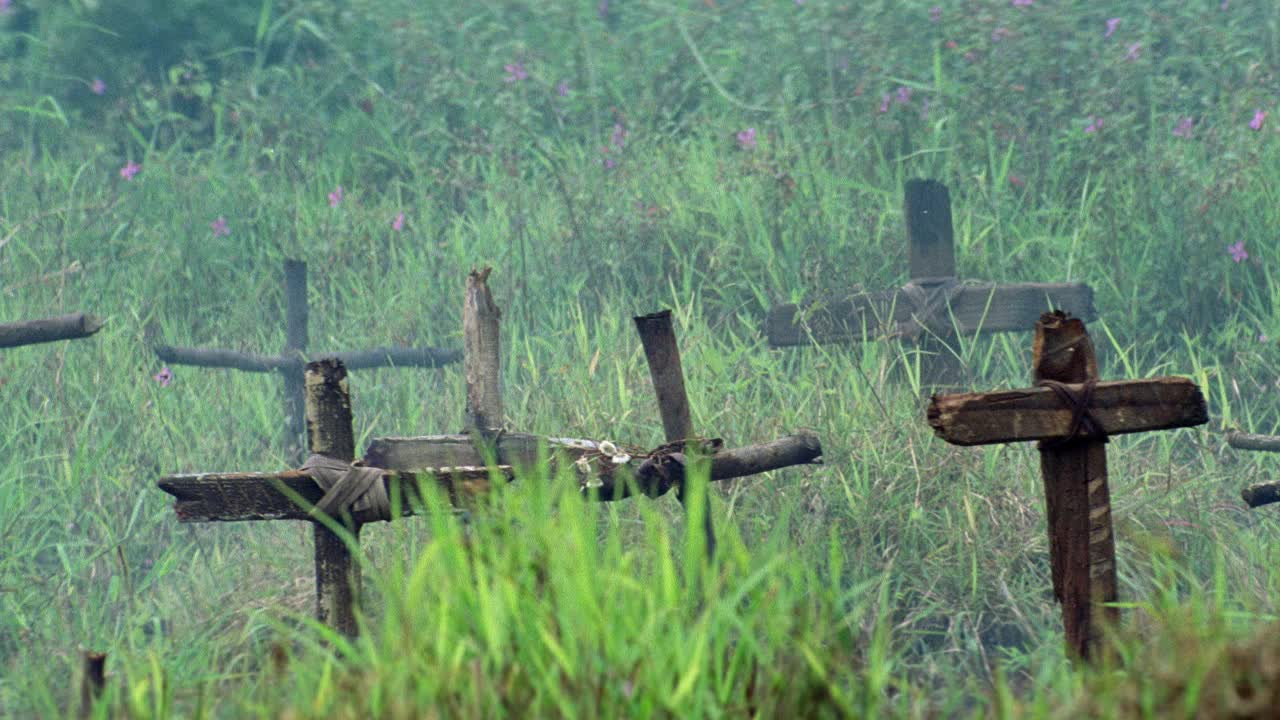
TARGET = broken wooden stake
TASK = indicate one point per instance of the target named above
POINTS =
(658, 337)
(1071, 414)
(66, 327)
(93, 680)
(1261, 493)
(934, 306)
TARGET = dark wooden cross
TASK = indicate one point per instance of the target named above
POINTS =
(934, 306)
(290, 362)
(1072, 414)
(1262, 493)
(66, 327)
(394, 472)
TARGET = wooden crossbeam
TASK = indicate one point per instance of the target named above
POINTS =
(65, 327)
(1261, 493)
(290, 362)
(1072, 414)
(934, 306)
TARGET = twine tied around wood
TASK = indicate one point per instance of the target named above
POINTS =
(1081, 417)
(349, 489)
(928, 296)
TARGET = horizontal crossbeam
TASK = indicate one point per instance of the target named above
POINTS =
(1120, 407)
(65, 327)
(354, 360)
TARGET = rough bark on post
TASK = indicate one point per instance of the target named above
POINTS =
(482, 355)
(1072, 415)
(1077, 500)
(658, 336)
(64, 327)
(930, 236)
(295, 348)
(330, 433)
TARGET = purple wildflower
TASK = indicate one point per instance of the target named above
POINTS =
(1259, 117)
(1112, 24)
(609, 163)
(884, 102)
(1184, 128)
(515, 72)
(1095, 124)
(1133, 51)
(903, 95)
(935, 13)
(164, 377)
(563, 88)
(220, 228)
(130, 169)
(398, 223)
(747, 139)
(335, 197)
(97, 87)
(1023, 3)
(1262, 337)
(1237, 252)
(602, 10)
(6, 6)
(619, 136)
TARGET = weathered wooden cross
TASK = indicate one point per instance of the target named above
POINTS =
(934, 306)
(1262, 493)
(65, 327)
(1072, 414)
(329, 487)
(290, 362)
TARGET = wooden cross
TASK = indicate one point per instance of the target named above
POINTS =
(462, 465)
(1072, 414)
(1262, 493)
(66, 327)
(934, 305)
(290, 362)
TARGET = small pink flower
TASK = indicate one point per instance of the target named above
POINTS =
(1095, 124)
(130, 169)
(335, 197)
(1023, 3)
(1016, 181)
(884, 102)
(935, 13)
(164, 377)
(220, 228)
(6, 6)
(1184, 128)
(1262, 337)
(1237, 252)
(398, 223)
(1112, 24)
(1259, 117)
(903, 95)
(515, 72)
(1133, 51)
(747, 139)
(97, 87)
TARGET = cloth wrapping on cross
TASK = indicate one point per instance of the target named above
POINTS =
(349, 489)
(929, 297)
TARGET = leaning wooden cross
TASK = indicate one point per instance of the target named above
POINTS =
(1072, 414)
(1261, 493)
(289, 363)
(65, 327)
(330, 488)
(934, 306)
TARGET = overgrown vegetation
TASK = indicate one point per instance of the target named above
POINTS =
(608, 159)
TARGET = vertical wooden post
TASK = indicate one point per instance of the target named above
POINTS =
(1077, 501)
(295, 346)
(482, 355)
(330, 433)
(92, 681)
(658, 336)
(932, 252)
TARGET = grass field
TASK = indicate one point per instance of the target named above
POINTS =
(608, 160)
